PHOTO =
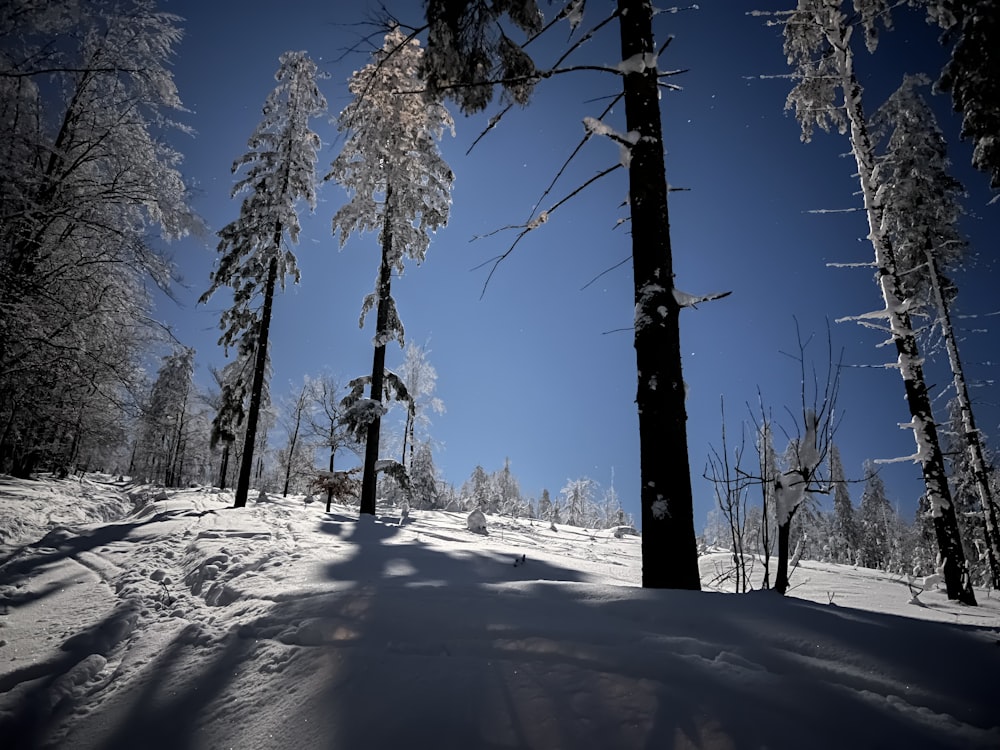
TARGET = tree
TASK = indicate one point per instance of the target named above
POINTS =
(818, 46)
(86, 96)
(874, 522)
(280, 172)
(327, 425)
(467, 54)
(296, 413)
(844, 534)
(972, 75)
(161, 443)
(578, 500)
(921, 214)
(420, 378)
(399, 186)
(423, 477)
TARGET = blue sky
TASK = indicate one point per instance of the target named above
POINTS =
(537, 369)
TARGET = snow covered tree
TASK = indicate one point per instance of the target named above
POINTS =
(159, 456)
(86, 96)
(972, 75)
(578, 502)
(280, 172)
(420, 378)
(544, 505)
(875, 517)
(844, 535)
(423, 478)
(818, 44)
(921, 214)
(468, 53)
(327, 426)
(399, 187)
(295, 457)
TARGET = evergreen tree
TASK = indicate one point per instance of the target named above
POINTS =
(972, 75)
(162, 440)
(399, 187)
(844, 533)
(423, 478)
(280, 172)
(875, 523)
(818, 45)
(544, 505)
(420, 378)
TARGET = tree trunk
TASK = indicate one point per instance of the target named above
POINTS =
(329, 489)
(368, 476)
(970, 434)
(781, 575)
(669, 547)
(291, 448)
(224, 468)
(956, 570)
(257, 387)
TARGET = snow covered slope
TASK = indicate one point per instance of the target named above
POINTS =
(183, 623)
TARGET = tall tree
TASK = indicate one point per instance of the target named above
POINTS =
(399, 187)
(875, 522)
(818, 45)
(468, 53)
(972, 75)
(921, 207)
(296, 412)
(280, 172)
(844, 535)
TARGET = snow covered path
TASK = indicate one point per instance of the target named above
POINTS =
(187, 624)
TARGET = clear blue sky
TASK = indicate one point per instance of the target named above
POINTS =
(537, 369)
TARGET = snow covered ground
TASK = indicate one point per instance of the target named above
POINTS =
(141, 623)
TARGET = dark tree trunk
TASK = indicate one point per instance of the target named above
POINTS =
(368, 476)
(781, 575)
(329, 490)
(224, 468)
(669, 548)
(257, 387)
(291, 449)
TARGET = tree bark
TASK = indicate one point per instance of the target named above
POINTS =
(257, 387)
(669, 547)
(781, 574)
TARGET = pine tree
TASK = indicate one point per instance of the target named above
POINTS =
(399, 187)
(280, 172)
(972, 75)
(819, 49)
(161, 442)
(423, 478)
(875, 522)
(467, 53)
(844, 533)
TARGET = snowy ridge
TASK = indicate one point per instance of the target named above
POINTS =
(187, 624)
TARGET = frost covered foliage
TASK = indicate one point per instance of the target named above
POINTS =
(972, 76)
(161, 443)
(918, 195)
(468, 53)
(86, 96)
(399, 185)
(279, 172)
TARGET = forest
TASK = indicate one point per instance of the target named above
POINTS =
(93, 378)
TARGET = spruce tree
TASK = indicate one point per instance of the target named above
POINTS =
(399, 187)
(279, 173)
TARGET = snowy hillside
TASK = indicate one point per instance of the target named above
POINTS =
(133, 622)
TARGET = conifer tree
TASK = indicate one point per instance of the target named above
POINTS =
(818, 45)
(399, 187)
(280, 172)
(844, 535)
(921, 209)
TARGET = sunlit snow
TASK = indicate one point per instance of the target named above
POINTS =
(179, 622)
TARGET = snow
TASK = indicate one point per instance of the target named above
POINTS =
(129, 622)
